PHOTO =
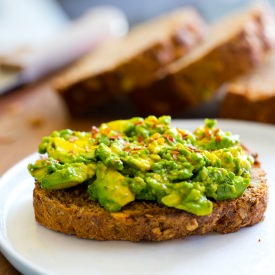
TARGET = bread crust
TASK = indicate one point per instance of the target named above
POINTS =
(182, 84)
(71, 212)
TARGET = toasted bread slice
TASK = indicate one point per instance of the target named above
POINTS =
(234, 46)
(252, 97)
(71, 212)
(119, 65)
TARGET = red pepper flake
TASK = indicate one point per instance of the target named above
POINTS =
(48, 162)
(106, 131)
(137, 148)
(183, 133)
(140, 139)
(138, 122)
(94, 131)
(218, 138)
(175, 154)
(216, 130)
(208, 132)
(169, 138)
(127, 149)
(192, 148)
(154, 123)
(117, 136)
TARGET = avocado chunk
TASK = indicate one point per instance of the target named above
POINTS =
(53, 175)
(110, 189)
(105, 154)
(118, 125)
(68, 146)
(221, 184)
(188, 196)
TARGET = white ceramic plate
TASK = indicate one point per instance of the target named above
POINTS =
(32, 249)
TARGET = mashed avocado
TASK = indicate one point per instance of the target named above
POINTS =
(146, 159)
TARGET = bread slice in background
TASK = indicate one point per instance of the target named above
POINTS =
(234, 45)
(118, 66)
(71, 212)
(252, 97)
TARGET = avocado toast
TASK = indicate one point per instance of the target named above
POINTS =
(141, 179)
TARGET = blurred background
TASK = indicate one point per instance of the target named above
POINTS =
(33, 22)
(138, 11)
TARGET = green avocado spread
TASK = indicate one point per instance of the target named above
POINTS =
(146, 159)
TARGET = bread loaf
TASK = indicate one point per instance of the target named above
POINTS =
(118, 66)
(252, 97)
(234, 45)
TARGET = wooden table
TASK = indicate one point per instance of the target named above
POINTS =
(28, 114)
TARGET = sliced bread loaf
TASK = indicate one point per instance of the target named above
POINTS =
(252, 97)
(118, 66)
(234, 45)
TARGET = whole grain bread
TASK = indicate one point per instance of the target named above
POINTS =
(234, 45)
(116, 67)
(252, 97)
(71, 212)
